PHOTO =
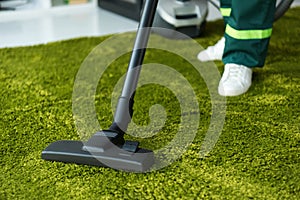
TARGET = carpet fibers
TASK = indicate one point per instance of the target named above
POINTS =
(256, 157)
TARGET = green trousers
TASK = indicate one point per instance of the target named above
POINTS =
(248, 28)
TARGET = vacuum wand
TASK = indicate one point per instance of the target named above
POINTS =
(124, 111)
(107, 148)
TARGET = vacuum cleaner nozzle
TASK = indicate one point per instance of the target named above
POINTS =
(103, 149)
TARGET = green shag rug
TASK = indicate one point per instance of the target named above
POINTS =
(256, 157)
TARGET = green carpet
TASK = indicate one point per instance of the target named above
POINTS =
(256, 157)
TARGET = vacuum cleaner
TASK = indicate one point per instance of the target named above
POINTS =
(107, 148)
(184, 16)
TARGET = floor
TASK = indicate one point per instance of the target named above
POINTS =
(25, 28)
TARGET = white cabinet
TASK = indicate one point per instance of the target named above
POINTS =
(42, 21)
(32, 5)
(37, 8)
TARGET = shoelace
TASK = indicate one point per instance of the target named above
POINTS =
(237, 73)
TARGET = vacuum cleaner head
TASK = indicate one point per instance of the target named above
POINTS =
(103, 149)
(185, 16)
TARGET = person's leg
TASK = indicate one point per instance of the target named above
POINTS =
(216, 52)
(225, 9)
(248, 31)
(247, 35)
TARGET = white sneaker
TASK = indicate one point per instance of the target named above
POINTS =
(213, 52)
(236, 80)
